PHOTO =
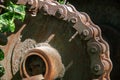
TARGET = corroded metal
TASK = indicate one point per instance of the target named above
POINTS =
(51, 65)
(76, 38)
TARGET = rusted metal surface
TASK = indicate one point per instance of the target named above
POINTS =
(39, 61)
(80, 47)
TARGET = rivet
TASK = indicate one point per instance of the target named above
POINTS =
(85, 32)
(97, 67)
(93, 50)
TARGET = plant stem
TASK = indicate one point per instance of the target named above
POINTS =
(2, 6)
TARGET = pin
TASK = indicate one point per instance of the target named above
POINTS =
(73, 36)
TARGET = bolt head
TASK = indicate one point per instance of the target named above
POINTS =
(97, 67)
(85, 32)
(93, 50)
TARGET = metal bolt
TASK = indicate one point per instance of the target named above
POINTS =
(93, 50)
(73, 20)
(85, 32)
(76, 33)
(59, 13)
(97, 67)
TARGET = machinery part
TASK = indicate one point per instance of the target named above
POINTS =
(37, 77)
(76, 38)
(43, 60)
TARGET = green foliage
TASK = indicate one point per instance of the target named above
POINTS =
(1, 55)
(2, 70)
(61, 1)
(13, 12)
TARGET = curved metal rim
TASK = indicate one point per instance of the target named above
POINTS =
(42, 55)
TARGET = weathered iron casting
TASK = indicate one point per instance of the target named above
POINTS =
(55, 42)
(40, 61)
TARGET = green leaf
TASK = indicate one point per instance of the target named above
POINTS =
(6, 23)
(2, 70)
(17, 10)
(11, 26)
(3, 24)
(1, 55)
(61, 1)
(7, 19)
(6, 16)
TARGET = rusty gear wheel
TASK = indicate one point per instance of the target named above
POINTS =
(80, 51)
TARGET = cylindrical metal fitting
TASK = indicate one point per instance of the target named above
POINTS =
(43, 60)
